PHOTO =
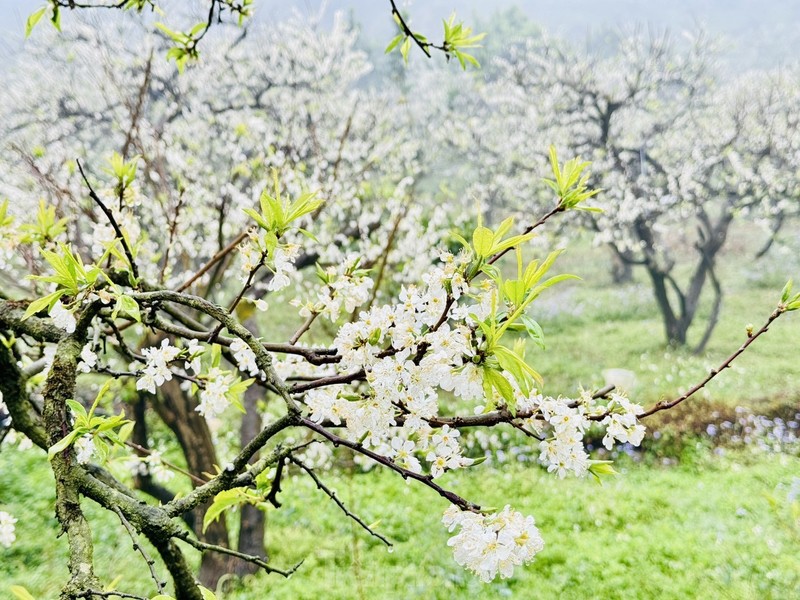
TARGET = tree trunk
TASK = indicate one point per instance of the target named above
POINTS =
(177, 409)
(621, 270)
(252, 522)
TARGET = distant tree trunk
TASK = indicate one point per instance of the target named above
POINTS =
(679, 307)
(252, 522)
(177, 409)
(621, 270)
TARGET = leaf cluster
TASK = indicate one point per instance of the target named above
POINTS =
(106, 431)
(278, 213)
(789, 302)
(570, 183)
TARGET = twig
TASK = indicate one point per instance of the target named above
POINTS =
(169, 465)
(425, 479)
(664, 405)
(172, 231)
(216, 258)
(108, 594)
(275, 489)
(332, 495)
(527, 230)
(235, 303)
(256, 560)
(303, 328)
(110, 216)
(407, 31)
(137, 546)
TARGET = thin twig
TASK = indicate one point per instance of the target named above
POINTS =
(173, 228)
(664, 405)
(215, 259)
(406, 474)
(235, 303)
(332, 495)
(111, 219)
(251, 558)
(137, 546)
(169, 465)
(303, 328)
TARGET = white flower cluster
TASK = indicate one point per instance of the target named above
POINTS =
(245, 357)
(213, 397)
(294, 365)
(280, 261)
(157, 371)
(7, 535)
(494, 543)
(566, 420)
(84, 448)
(282, 265)
(621, 423)
(403, 381)
(62, 317)
(88, 358)
(347, 288)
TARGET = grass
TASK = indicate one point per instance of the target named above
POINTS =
(592, 325)
(705, 528)
(702, 530)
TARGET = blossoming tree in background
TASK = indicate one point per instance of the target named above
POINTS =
(668, 140)
(157, 267)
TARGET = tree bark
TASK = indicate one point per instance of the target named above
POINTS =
(252, 522)
(177, 409)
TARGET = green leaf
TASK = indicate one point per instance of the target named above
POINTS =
(21, 593)
(787, 291)
(404, 49)
(33, 19)
(175, 36)
(534, 330)
(257, 218)
(394, 43)
(501, 384)
(222, 502)
(600, 468)
(55, 18)
(62, 444)
(77, 408)
(129, 305)
(207, 593)
(42, 303)
(482, 241)
(476, 461)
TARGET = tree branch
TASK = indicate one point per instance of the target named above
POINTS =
(332, 495)
(138, 547)
(111, 219)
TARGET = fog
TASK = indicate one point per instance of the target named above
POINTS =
(752, 34)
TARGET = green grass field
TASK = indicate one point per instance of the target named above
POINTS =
(709, 527)
(704, 530)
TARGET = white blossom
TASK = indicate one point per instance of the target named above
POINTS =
(7, 535)
(62, 317)
(157, 371)
(84, 448)
(245, 357)
(492, 544)
(88, 359)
